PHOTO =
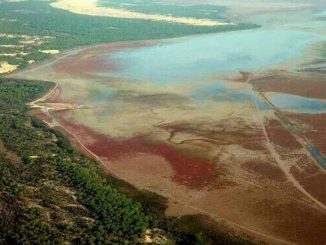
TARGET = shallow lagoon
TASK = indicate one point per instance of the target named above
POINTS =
(195, 60)
(288, 102)
(198, 56)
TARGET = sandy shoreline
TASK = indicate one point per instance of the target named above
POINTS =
(90, 7)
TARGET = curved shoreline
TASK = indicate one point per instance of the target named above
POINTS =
(85, 147)
(90, 7)
(74, 51)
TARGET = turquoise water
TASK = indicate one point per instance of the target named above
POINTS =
(193, 57)
(321, 13)
(288, 102)
(220, 90)
(312, 25)
(317, 155)
(224, 91)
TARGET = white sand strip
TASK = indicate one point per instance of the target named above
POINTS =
(6, 68)
(50, 51)
(90, 7)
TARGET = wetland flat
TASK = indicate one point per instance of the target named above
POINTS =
(220, 124)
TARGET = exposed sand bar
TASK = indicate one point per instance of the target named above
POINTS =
(6, 68)
(90, 7)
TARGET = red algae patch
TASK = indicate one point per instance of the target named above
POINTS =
(77, 65)
(92, 59)
(189, 170)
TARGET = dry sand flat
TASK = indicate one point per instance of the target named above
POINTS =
(50, 51)
(5, 67)
(239, 7)
(313, 128)
(90, 7)
(306, 85)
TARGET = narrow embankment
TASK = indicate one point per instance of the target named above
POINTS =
(281, 163)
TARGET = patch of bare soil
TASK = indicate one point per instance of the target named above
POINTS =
(298, 223)
(281, 136)
(41, 115)
(297, 84)
(221, 133)
(315, 128)
(311, 177)
(9, 154)
(265, 169)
